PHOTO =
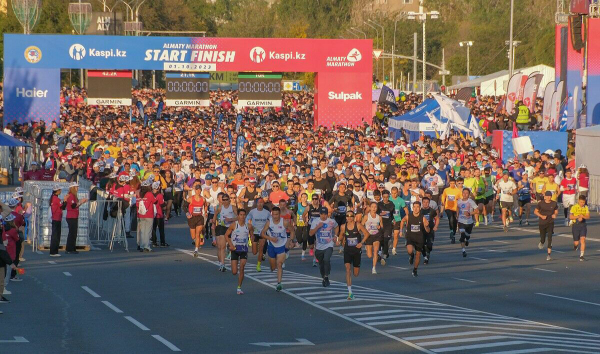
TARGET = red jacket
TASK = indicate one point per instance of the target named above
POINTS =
(12, 236)
(56, 208)
(72, 208)
(160, 201)
(148, 201)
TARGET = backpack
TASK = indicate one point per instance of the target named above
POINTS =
(142, 207)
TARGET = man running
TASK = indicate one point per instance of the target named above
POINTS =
(257, 218)
(508, 189)
(386, 211)
(275, 231)
(225, 215)
(400, 210)
(301, 229)
(325, 230)
(415, 225)
(432, 216)
(310, 214)
(467, 213)
(351, 238)
(546, 210)
(449, 199)
(237, 237)
(580, 213)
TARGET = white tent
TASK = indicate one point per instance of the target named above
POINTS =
(586, 142)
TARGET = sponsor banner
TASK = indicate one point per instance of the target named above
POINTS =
(225, 77)
(376, 93)
(259, 103)
(593, 80)
(580, 6)
(31, 95)
(289, 85)
(109, 101)
(343, 100)
(106, 23)
(547, 109)
(187, 103)
(190, 53)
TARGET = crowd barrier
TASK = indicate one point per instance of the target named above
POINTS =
(107, 220)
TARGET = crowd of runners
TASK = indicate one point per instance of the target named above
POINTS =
(319, 191)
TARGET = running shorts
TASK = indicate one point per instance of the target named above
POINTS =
(378, 237)
(272, 251)
(353, 258)
(220, 230)
(480, 201)
(388, 230)
(522, 203)
(416, 241)
(237, 255)
(465, 231)
(579, 230)
(506, 205)
(195, 221)
(256, 238)
(568, 200)
(311, 239)
(397, 225)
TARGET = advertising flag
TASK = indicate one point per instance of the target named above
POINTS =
(557, 102)
(220, 121)
(159, 110)
(239, 148)
(229, 138)
(238, 123)
(512, 92)
(387, 96)
(530, 92)
(548, 92)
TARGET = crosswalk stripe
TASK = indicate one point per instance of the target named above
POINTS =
(478, 346)
(443, 335)
(460, 340)
(401, 321)
(418, 329)
(405, 315)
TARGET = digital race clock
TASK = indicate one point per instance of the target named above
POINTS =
(188, 89)
(259, 90)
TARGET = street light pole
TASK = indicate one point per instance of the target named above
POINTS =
(467, 44)
(359, 31)
(415, 44)
(422, 16)
(377, 38)
(394, 52)
(383, 46)
(510, 45)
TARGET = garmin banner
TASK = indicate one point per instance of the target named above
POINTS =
(344, 68)
(31, 95)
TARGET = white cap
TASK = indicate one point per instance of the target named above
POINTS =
(146, 183)
(69, 146)
(12, 202)
(73, 184)
(9, 217)
(18, 190)
(156, 185)
(123, 178)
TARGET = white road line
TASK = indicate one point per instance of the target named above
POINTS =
(535, 350)
(67, 274)
(479, 259)
(90, 291)
(545, 270)
(358, 307)
(166, 342)
(39, 252)
(15, 340)
(406, 315)
(469, 281)
(52, 262)
(461, 340)
(417, 329)
(138, 324)
(566, 298)
(492, 250)
(557, 251)
(501, 241)
(537, 232)
(444, 335)
(401, 321)
(403, 268)
(478, 346)
(112, 307)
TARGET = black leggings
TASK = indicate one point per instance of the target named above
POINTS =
(302, 236)
(452, 220)
(73, 224)
(55, 238)
(546, 231)
(177, 200)
(160, 224)
(428, 245)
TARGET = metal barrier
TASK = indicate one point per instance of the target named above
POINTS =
(107, 221)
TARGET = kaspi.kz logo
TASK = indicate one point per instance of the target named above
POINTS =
(33, 54)
(77, 51)
(257, 55)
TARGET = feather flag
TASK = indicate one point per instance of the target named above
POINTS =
(212, 141)
(475, 129)
(140, 107)
(239, 148)
(238, 124)
(194, 150)
(229, 138)
(446, 132)
(159, 110)
(220, 121)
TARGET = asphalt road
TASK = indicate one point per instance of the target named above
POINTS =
(504, 297)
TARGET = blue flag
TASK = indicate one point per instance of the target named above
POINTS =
(212, 141)
(220, 120)
(194, 150)
(387, 96)
(229, 137)
(239, 148)
(238, 124)
(140, 107)
(159, 110)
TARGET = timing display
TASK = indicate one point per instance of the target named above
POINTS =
(188, 89)
(259, 90)
(109, 87)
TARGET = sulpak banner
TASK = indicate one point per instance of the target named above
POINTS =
(343, 67)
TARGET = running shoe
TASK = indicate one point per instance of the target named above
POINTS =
(341, 250)
(314, 262)
(540, 245)
(327, 281)
(566, 222)
(22, 259)
(279, 287)
(6, 292)
(350, 296)
(58, 255)
(581, 259)
(239, 291)
(228, 256)
(154, 244)
(258, 267)
(511, 219)
(477, 223)
(382, 261)
(464, 254)
(426, 260)
(4, 300)
(311, 252)
(302, 258)
(414, 273)
(452, 240)
(467, 242)
(195, 254)
(411, 259)
(374, 271)
(16, 279)
(548, 258)
(393, 251)
(527, 222)
(324, 282)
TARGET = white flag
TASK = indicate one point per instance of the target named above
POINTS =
(475, 129)
(446, 132)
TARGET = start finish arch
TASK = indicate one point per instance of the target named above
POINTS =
(32, 66)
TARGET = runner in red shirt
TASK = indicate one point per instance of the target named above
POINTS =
(568, 188)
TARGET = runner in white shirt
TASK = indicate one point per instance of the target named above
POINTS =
(467, 209)
(507, 189)
(237, 238)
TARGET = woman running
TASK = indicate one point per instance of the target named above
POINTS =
(352, 239)
(225, 215)
(237, 237)
(195, 216)
(373, 223)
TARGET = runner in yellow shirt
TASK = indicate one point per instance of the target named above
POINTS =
(539, 182)
(551, 186)
(580, 213)
(449, 203)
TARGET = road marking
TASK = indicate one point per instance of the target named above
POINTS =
(460, 340)
(566, 298)
(537, 232)
(492, 250)
(90, 291)
(299, 341)
(444, 335)
(405, 315)
(112, 307)
(52, 262)
(479, 346)
(557, 251)
(137, 323)
(545, 270)
(502, 242)
(15, 340)
(418, 329)
(403, 268)
(67, 274)
(39, 252)
(479, 259)
(469, 281)
(166, 342)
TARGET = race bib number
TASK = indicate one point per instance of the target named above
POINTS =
(415, 228)
(451, 198)
(426, 216)
(342, 209)
(385, 214)
(370, 194)
(250, 203)
(197, 210)
(352, 241)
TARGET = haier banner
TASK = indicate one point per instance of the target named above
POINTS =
(31, 95)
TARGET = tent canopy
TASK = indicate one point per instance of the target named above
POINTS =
(7, 140)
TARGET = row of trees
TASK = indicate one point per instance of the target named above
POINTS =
(486, 22)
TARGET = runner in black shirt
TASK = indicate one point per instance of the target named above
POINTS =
(386, 211)
(432, 216)
(351, 238)
(416, 224)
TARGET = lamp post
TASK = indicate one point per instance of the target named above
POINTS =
(377, 38)
(383, 45)
(422, 16)
(352, 33)
(394, 52)
(359, 31)
(467, 44)
(512, 54)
